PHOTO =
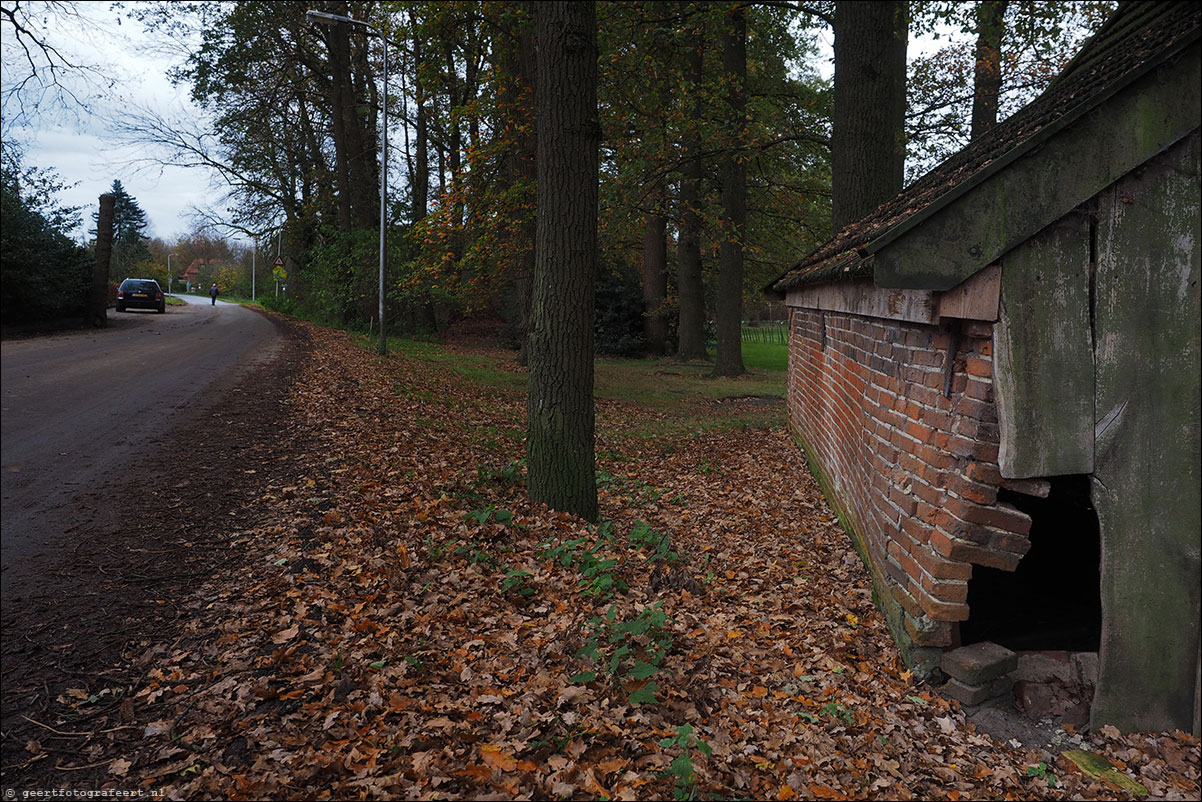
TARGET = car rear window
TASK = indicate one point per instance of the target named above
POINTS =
(140, 286)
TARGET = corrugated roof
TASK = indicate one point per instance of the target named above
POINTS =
(1138, 37)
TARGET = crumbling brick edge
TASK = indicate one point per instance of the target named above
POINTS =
(924, 661)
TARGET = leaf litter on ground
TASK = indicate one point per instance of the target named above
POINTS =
(412, 627)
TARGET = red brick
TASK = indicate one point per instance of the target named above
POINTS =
(972, 491)
(981, 390)
(898, 554)
(978, 329)
(983, 472)
(976, 694)
(937, 459)
(925, 632)
(964, 447)
(897, 573)
(939, 610)
(938, 566)
(1007, 541)
(906, 504)
(975, 366)
(963, 551)
(944, 589)
(931, 495)
(998, 516)
(979, 663)
(907, 602)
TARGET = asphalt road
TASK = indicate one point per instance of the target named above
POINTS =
(81, 408)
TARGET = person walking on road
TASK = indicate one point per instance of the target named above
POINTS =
(213, 294)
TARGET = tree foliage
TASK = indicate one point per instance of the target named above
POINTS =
(45, 275)
(293, 115)
(1034, 40)
(130, 241)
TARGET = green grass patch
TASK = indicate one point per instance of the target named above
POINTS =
(770, 356)
(687, 397)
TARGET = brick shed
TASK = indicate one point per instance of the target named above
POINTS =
(995, 376)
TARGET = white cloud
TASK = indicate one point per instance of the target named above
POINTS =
(75, 144)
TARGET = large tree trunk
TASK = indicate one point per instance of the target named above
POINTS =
(365, 136)
(421, 145)
(868, 153)
(560, 415)
(655, 278)
(339, 50)
(99, 299)
(987, 83)
(690, 329)
(729, 358)
(527, 164)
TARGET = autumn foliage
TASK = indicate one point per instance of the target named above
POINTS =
(409, 626)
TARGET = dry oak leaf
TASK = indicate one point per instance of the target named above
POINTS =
(497, 758)
(285, 635)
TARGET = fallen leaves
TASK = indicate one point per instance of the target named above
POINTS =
(404, 633)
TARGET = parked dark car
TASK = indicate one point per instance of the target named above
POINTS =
(140, 293)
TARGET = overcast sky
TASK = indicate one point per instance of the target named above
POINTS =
(76, 145)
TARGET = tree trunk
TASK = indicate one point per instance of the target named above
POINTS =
(421, 145)
(99, 299)
(560, 415)
(868, 154)
(527, 164)
(655, 279)
(729, 358)
(365, 136)
(339, 50)
(690, 329)
(987, 83)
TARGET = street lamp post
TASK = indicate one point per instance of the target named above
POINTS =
(335, 19)
(169, 272)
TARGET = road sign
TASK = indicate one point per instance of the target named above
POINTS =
(277, 269)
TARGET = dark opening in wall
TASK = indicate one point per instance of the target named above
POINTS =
(1053, 599)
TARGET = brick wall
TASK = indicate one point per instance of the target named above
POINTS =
(914, 473)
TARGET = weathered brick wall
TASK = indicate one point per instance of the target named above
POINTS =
(914, 473)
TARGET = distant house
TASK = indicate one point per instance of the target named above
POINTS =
(996, 378)
(191, 272)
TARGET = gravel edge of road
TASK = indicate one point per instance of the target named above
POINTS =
(117, 590)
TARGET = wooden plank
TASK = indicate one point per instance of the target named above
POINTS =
(1043, 376)
(978, 229)
(1147, 480)
(975, 298)
(863, 298)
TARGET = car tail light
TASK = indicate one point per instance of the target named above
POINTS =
(158, 296)
(120, 294)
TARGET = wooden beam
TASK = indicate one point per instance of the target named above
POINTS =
(862, 298)
(1104, 145)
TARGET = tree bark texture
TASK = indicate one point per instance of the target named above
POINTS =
(987, 82)
(99, 300)
(729, 358)
(421, 166)
(520, 161)
(560, 414)
(868, 152)
(655, 279)
(690, 330)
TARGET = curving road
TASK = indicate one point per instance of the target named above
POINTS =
(80, 408)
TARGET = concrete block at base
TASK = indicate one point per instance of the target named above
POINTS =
(1086, 666)
(979, 663)
(1045, 666)
(976, 694)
